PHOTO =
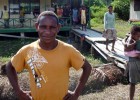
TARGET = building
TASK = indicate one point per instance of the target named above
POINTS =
(31, 8)
(134, 10)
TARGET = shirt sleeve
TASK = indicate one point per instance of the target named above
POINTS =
(18, 61)
(76, 59)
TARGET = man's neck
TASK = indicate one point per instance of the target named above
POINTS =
(48, 46)
(110, 12)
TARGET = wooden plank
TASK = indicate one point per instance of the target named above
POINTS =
(32, 29)
(14, 36)
(98, 42)
(96, 48)
(118, 54)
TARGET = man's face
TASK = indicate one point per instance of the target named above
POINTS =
(47, 29)
(110, 9)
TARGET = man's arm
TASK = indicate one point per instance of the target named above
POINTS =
(105, 21)
(12, 76)
(83, 79)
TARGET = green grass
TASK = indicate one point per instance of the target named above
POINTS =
(94, 62)
(4, 59)
(9, 47)
(122, 27)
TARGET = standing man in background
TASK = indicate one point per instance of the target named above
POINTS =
(83, 17)
(109, 27)
(21, 16)
(5, 17)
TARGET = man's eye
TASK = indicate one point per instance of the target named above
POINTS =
(53, 27)
(42, 27)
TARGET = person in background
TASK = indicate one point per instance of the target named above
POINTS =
(49, 77)
(36, 12)
(132, 50)
(75, 16)
(59, 11)
(66, 11)
(83, 17)
(5, 16)
(60, 15)
(109, 27)
(51, 8)
(21, 16)
(66, 14)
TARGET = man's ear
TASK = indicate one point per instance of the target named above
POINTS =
(36, 26)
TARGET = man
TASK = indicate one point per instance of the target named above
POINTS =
(5, 17)
(48, 61)
(109, 27)
(21, 16)
(83, 17)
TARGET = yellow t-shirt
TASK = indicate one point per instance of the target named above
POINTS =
(83, 13)
(49, 70)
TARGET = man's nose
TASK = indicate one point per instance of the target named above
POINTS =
(47, 30)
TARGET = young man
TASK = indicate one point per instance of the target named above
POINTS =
(48, 61)
(5, 17)
(109, 27)
(83, 17)
(21, 16)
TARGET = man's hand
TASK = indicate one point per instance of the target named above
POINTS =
(70, 96)
(24, 95)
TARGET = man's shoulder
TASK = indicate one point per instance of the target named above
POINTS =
(65, 45)
(106, 13)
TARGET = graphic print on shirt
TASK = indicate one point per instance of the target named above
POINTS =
(36, 61)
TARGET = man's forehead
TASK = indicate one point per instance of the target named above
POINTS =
(47, 17)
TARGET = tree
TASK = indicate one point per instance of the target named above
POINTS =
(121, 7)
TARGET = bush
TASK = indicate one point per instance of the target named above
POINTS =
(97, 14)
(122, 8)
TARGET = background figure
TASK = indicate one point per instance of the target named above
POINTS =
(5, 17)
(60, 14)
(66, 14)
(21, 16)
(36, 12)
(51, 9)
(109, 27)
(66, 11)
(75, 16)
(59, 11)
(132, 50)
(83, 17)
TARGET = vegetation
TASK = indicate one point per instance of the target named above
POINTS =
(10, 47)
(122, 7)
(122, 27)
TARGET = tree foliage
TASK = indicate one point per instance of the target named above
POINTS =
(122, 7)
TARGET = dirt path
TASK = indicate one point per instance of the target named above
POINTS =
(117, 92)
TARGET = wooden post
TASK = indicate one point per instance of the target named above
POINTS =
(45, 4)
(22, 34)
(92, 50)
(89, 26)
